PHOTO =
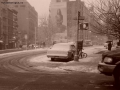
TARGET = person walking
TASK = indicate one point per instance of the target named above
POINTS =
(80, 48)
(109, 46)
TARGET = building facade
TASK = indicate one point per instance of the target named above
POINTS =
(69, 10)
(12, 29)
(8, 26)
(3, 25)
(27, 21)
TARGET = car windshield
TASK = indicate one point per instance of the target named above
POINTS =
(61, 46)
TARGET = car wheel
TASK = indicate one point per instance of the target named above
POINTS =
(116, 75)
(84, 55)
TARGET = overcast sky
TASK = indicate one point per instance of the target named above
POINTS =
(42, 6)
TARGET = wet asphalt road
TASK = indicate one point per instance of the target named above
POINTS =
(17, 73)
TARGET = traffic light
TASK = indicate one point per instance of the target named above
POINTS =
(84, 26)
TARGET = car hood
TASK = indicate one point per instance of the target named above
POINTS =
(112, 53)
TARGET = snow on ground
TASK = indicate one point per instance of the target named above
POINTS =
(41, 58)
(81, 68)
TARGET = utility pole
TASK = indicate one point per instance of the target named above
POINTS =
(77, 37)
(80, 26)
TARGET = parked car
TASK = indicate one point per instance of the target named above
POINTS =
(32, 46)
(110, 65)
(61, 51)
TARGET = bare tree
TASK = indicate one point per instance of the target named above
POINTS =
(42, 28)
(106, 12)
(46, 29)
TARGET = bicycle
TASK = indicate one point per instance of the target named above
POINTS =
(82, 55)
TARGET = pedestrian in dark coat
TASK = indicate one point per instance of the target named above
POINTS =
(109, 46)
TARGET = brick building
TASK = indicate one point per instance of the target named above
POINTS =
(3, 25)
(12, 29)
(27, 20)
(7, 27)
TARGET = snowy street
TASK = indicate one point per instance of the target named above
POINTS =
(32, 70)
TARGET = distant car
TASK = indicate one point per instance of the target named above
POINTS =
(32, 46)
(36, 46)
(110, 64)
(61, 51)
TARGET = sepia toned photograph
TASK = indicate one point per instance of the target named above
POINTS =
(59, 44)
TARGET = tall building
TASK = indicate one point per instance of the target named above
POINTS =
(68, 17)
(72, 13)
(27, 20)
(68, 12)
(13, 39)
(3, 25)
(8, 26)
(58, 18)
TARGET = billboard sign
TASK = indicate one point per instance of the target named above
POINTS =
(58, 14)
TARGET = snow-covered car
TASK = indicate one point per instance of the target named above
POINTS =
(61, 51)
